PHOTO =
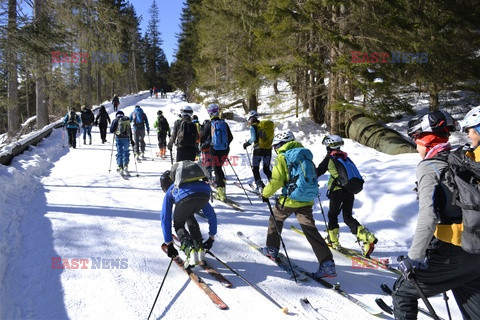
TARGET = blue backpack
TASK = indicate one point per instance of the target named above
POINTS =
(138, 117)
(302, 184)
(219, 135)
(349, 178)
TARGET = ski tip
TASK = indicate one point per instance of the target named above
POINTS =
(284, 310)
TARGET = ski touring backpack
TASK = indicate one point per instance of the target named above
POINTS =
(187, 171)
(219, 135)
(462, 177)
(72, 117)
(187, 134)
(265, 132)
(138, 118)
(123, 127)
(302, 184)
(163, 124)
(349, 178)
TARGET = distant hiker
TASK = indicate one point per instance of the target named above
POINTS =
(299, 189)
(88, 118)
(188, 197)
(341, 197)
(115, 102)
(139, 121)
(72, 122)
(156, 93)
(261, 136)
(471, 125)
(163, 128)
(436, 260)
(151, 92)
(123, 136)
(184, 136)
(102, 120)
(218, 135)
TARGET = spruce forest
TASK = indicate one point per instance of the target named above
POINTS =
(336, 55)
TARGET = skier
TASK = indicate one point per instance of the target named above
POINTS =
(188, 198)
(163, 128)
(262, 150)
(341, 199)
(218, 136)
(434, 262)
(140, 122)
(102, 121)
(115, 102)
(72, 122)
(88, 118)
(285, 206)
(199, 131)
(184, 136)
(123, 136)
(471, 125)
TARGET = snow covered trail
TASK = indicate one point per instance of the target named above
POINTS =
(61, 204)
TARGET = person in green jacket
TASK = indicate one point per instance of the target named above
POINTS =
(285, 206)
(341, 199)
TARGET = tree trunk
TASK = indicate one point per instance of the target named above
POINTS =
(252, 102)
(41, 72)
(275, 87)
(13, 109)
(434, 101)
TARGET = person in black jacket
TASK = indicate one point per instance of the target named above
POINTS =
(88, 118)
(102, 121)
(184, 136)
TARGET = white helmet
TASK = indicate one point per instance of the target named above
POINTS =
(333, 141)
(471, 119)
(213, 109)
(187, 111)
(252, 114)
(282, 138)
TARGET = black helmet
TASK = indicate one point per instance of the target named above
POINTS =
(159, 112)
(119, 114)
(439, 122)
(166, 181)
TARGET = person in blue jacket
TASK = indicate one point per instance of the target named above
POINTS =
(72, 122)
(188, 198)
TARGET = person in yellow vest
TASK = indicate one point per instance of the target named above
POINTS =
(471, 125)
(435, 262)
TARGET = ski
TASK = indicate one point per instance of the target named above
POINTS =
(122, 174)
(307, 306)
(282, 263)
(229, 202)
(199, 281)
(209, 269)
(357, 255)
(387, 290)
(385, 307)
(252, 190)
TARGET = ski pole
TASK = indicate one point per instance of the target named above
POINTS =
(111, 154)
(171, 156)
(323, 214)
(150, 144)
(63, 137)
(248, 157)
(160, 289)
(281, 239)
(445, 297)
(263, 293)
(135, 161)
(413, 278)
(239, 181)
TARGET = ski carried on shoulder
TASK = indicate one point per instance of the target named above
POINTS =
(209, 269)
(217, 301)
(250, 189)
(281, 260)
(387, 290)
(228, 202)
(307, 306)
(357, 255)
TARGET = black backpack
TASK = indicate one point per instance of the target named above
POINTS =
(72, 117)
(163, 124)
(187, 134)
(462, 177)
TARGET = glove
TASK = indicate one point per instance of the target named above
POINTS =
(171, 251)
(169, 147)
(264, 199)
(95, 123)
(245, 145)
(132, 143)
(207, 245)
(148, 131)
(169, 135)
(408, 266)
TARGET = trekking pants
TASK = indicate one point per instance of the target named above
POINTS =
(186, 153)
(139, 140)
(123, 153)
(342, 200)
(72, 137)
(218, 158)
(449, 268)
(162, 139)
(184, 213)
(87, 130)
(103, 133)
(305, 218)
(264, 156)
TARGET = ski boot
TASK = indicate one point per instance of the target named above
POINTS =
(220, 194)
(333, 236)
(368, 240)
(260, 186)
(187, 247)
(270, 252)
(326, 270)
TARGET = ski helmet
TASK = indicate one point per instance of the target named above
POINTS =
(213, 109)
(438, 122)
(166, 181)
(252, 114)
(471, 120)
(282, 138)
(187, 111)
(333, 141)
(119, 114)
(159, 112)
